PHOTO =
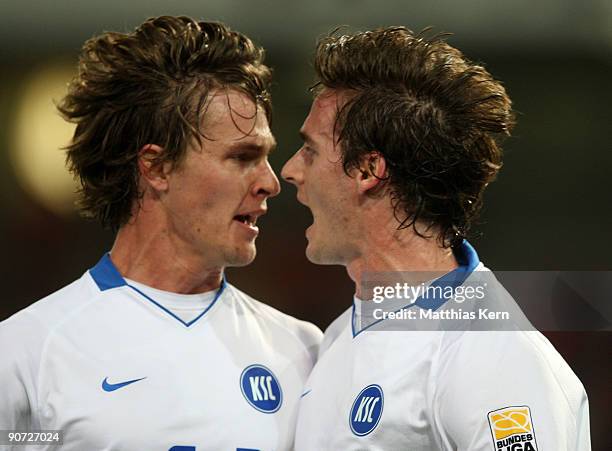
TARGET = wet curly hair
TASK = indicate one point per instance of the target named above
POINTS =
(149, 86)
(437, 119)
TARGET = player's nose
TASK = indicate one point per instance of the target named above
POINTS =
(291, 171)
(267, 184)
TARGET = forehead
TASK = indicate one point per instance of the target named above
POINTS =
(322, 117)
(231, 115)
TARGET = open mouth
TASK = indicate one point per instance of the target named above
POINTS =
(246, 220)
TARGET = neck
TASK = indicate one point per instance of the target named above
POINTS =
(398, 250)
(145, 252)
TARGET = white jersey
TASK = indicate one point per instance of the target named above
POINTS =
(114, 369)
(441, 390)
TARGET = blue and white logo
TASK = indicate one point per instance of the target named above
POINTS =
(261, 388)
(367, 410)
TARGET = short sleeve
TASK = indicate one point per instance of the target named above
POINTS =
(311, 336)
(497, 389)
(20, 349)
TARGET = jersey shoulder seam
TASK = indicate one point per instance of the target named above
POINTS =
(51, 332)
(553, 372)
(275, 314)
(433, 371)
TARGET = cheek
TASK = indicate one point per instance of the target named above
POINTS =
(338, 204)
(330, 190)
(212, 194)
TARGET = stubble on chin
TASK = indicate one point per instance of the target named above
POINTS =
(317, 254)
(240, 257)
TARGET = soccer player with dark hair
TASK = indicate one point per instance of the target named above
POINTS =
(402, 139)
(151, 349)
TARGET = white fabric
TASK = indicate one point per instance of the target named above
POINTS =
(185, 306)
(55, 355)
(438, 390)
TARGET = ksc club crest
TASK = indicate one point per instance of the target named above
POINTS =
(367, 410)
(261, 388)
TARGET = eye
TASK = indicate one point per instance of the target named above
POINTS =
(245, 157)
(308, 154)
(308, 150)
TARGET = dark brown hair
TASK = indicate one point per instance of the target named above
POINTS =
(436, 117)
(149, 86)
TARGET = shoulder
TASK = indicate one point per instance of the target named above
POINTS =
(55, 308)
(482, 372)
(334, 330)
(303, 333)
(48, 312)
(24, 335)
(520, 357)
(521, 354)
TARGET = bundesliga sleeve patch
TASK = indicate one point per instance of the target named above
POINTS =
(512, 429)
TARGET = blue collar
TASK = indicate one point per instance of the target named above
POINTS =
(106, 276)
(468, 260)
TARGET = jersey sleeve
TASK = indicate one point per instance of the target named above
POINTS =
(311, 336)
(20, 349)
(334, 330)
(499, 391)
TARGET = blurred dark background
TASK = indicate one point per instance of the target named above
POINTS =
(549, 209)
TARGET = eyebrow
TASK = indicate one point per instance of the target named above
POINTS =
(305, 137)
(254, 147)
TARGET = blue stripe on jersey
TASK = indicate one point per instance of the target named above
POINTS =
(468, 261)
(106, 276)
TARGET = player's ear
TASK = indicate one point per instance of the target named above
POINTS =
(372, 172)
(153, 172)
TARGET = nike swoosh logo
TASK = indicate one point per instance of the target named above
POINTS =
(106, 386)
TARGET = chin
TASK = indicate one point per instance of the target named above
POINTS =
(241, 257)
(332, 252)
(319, 255)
